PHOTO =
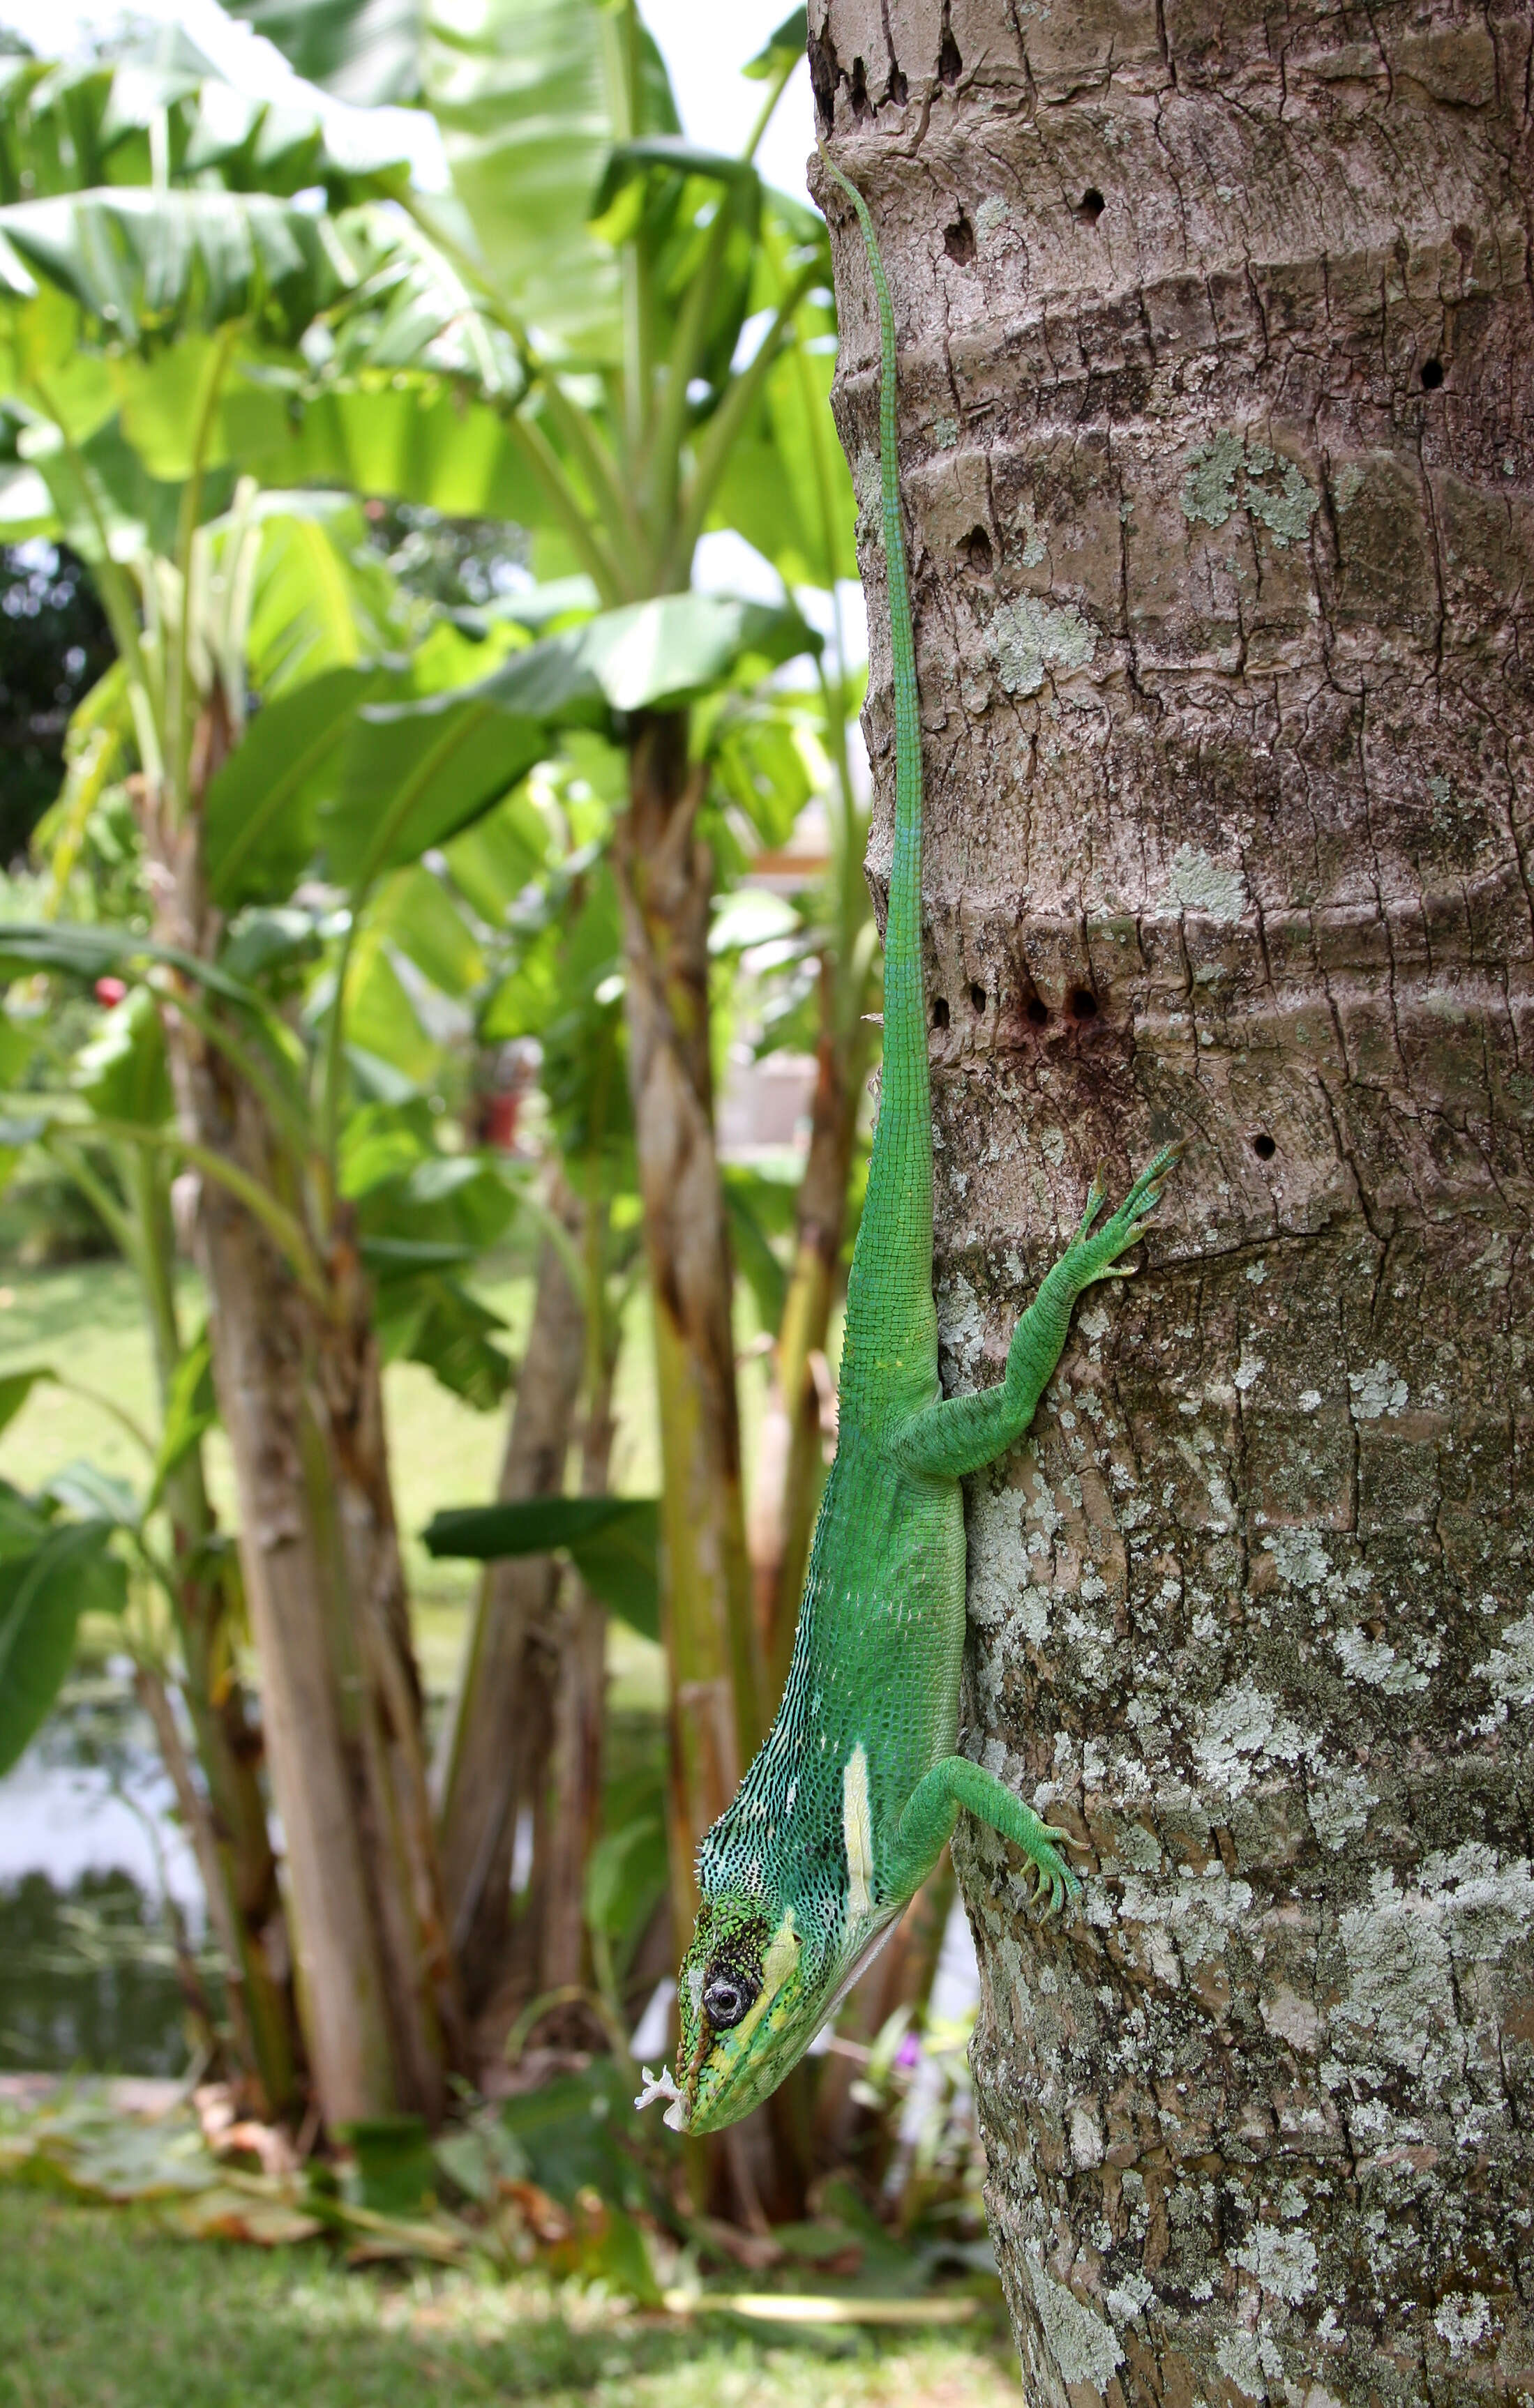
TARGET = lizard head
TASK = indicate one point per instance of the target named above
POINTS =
(765, 1971)
(748, 2007)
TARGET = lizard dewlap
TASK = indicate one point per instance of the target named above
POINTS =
(857, 1788)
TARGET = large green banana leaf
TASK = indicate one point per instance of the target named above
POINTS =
(405, 438)
(142, 262)
(528, 95)
(87, 952)
(122, 1071)
(532, 96)
(413, 774)
(157, 109)
(785, 485)
(377, 783)
(367, 51)
(261, 813)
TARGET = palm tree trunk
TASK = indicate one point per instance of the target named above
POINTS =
(1215, 334)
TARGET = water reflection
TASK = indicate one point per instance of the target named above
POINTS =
(89, 1856)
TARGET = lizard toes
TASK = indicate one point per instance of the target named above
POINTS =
(1096, 1197)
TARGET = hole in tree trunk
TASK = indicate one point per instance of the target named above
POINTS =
(824, 70)
(1091, 206)
(976, 998)
(897, 89)
(1262, 1146)
(950, 66)
(1037, 1010)
(1083, 1003)
(940, 1012)
(1432, 375)
(958, 241)
(978, 551)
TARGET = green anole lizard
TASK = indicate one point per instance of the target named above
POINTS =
(857, 1788)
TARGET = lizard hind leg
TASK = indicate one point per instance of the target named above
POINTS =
(932, 1809)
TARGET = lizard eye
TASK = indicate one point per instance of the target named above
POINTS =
(726, 1998)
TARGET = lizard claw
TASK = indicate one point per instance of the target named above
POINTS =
(1057, 1897)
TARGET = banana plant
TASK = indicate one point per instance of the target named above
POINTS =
(528, 1719)
(631, 295)
(54, 1567)
(587, 251)
(418, 1219)
(128, 310)
(592, 375)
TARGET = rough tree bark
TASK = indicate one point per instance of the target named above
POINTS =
(1216, 336)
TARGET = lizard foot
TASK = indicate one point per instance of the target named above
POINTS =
(1094, 1257)
(1056, 1881)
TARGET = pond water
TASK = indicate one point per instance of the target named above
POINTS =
(92, 1867)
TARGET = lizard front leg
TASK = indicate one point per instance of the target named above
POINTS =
(962, 1434)
(932, 1809)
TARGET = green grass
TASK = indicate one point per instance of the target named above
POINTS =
(101, 2308)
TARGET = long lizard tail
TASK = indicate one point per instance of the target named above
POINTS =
(892, 1263)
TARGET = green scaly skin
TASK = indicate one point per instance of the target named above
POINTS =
(858, 1787)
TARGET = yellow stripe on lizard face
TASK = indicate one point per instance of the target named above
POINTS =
(742, 2065)
(858, 1835)
(778, 1961)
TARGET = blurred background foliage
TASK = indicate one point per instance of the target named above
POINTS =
(391, 815)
